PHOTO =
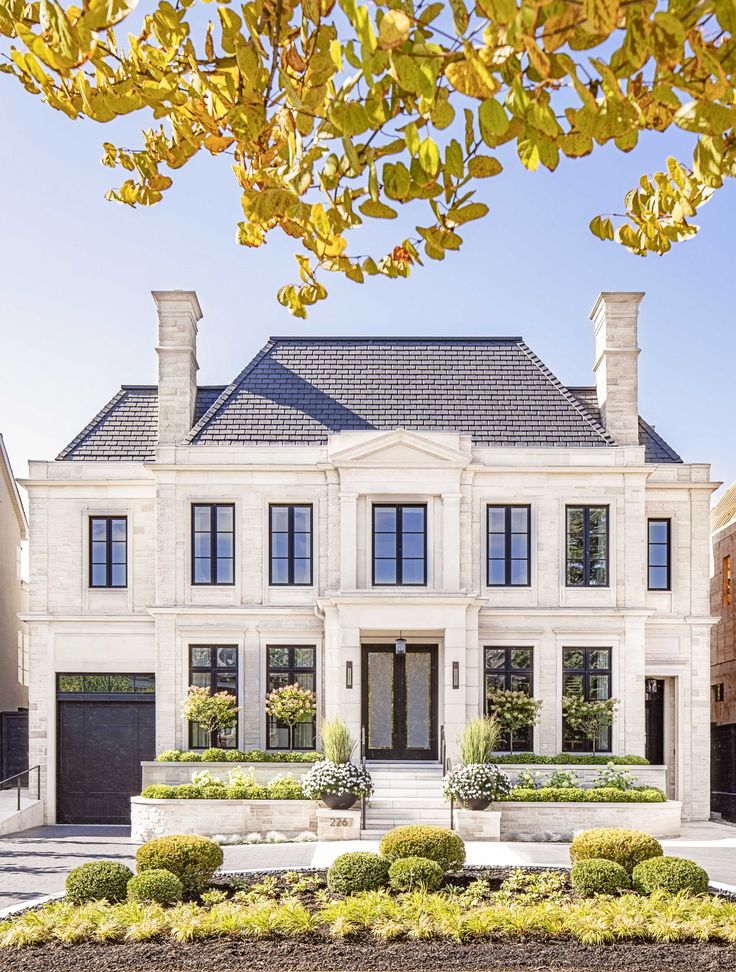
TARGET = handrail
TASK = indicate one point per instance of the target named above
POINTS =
(18, 776)
(446, 767)
(362, 765)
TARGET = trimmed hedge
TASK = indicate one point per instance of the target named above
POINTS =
(96, 880)
(575, 794)
(192, 859)
(357, 871)
(573, 759)
(157, 885)
(435, 843)
(415, 873)
(626, 847)
(216, 755)
(276, 789)
(671, 874)
(597, 876)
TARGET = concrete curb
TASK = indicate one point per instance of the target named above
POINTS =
(18, 909)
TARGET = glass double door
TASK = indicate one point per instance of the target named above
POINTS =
(400, 702)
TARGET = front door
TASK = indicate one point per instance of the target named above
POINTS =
(400, 702)
(654, 718)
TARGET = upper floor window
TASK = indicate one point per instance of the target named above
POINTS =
(587, 546)
(400, 544)
(214, 667)
(213, 543)
(586, 672)
(508, 546)
(510, 669)
(658, 560)
(291, 544)
(108, 551)
(726, 580)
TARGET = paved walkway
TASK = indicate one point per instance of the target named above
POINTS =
(35, 863)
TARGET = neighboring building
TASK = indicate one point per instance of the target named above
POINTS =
(723, 655)
(342, 496)
(13, 635)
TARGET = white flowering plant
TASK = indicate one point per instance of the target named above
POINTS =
(611, 775)
(476, 781)
(329, 777)
(563, 779)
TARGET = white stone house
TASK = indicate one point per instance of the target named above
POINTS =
(345, 494)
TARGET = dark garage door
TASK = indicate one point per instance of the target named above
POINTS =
(101, 742)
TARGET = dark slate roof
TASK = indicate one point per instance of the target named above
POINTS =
(299, 390)
(655, 448)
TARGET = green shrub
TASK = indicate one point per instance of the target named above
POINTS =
(626, 847)
(572, 759)
(573, 794)
(214, 755)
(192, 859)
(169, 756)
(217, 755)
(671, 874)
(285, 788)
(246, 791)
(160, 791)
(357, 871)
(435, 843)
(412, 873)
(595, 876)
(157, 885)
(190, 757)
(96, 880)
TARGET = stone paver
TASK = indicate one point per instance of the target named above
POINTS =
(34, 863)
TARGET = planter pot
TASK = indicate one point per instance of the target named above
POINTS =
(477, 804)
(338, 801)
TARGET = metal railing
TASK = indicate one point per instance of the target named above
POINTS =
(446, 767)
(362, 765)
(18, 777)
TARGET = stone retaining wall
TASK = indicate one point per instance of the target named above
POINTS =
(561, 821)
(161, 818)
(175, 772)
(655, 776)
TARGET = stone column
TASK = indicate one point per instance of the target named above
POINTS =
(348, 540)
(453, 714)
(450, 542)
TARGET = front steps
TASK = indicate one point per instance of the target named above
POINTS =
(405, 793)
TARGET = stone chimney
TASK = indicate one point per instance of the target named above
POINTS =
(615, 315)
(178, 314)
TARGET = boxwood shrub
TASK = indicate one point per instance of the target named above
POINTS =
(157, 885)
(192, 859)
(626, 847)
(671, 874)
(96, 880)
(575, 794)
(573, 759)
(597, 876)
(217, 755)
(280, 788)
(357, 871)
(412, 873)
(435, 843)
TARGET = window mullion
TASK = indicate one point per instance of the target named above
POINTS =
(290, 544)
(507, 547)
(399, 545)
(586, 546)
(108, 550)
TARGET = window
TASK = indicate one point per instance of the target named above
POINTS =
(108, 551)
(658, 563)
(105, 684)
(586, 672)
(287, 665)
(400, 545)
(510, 669)
(23, 661)
(214, 667)
(587, 546)
(213, 543)
(726, 580)
(508, 546)
(718, 694)
(291, 544)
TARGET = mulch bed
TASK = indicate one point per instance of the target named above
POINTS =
(317, 954)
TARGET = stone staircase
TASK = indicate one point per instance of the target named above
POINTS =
(405, 793)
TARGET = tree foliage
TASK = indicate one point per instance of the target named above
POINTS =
(588, 718)
(211, 711)
(336, 113)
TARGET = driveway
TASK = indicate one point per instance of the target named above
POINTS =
(35, 863)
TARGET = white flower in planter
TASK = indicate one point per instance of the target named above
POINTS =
(327, 777)
(476, 781)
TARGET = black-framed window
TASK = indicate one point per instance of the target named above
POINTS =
(71, 683)
(718, 692)
(290, 531)
(508, 545)
(213, 543)
(726, 581)
(290, 665)
(399, 544)
(214, 667)
(108, 551)
(586, 672)
(587, 546)
(512, 670)
(658, 554)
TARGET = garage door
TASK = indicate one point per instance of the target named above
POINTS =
(102, 738)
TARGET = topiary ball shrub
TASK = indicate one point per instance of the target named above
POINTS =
(156, 885)
(192, 859)
(626, 847)
(593, 876)
(97, 880)
(412, 873)
(671, 874)
(357, 871)
(435, 843)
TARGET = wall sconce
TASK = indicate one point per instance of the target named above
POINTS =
(456, 675)
(400, 646)
(348, 674)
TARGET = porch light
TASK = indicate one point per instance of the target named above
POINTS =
(400, 646)
(348, 674)
(456, 675)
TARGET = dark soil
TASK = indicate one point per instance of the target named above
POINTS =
(316, 954)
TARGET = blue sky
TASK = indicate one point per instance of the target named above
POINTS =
(76, 274)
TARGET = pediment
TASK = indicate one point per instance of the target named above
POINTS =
(400, 448)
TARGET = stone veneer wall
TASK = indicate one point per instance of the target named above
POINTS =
(175, 772)
(161, 818)
(560, 821)
(654, 776)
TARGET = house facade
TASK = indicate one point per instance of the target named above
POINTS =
(400, 524)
